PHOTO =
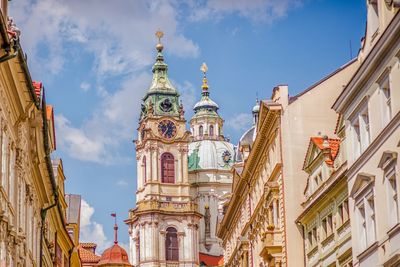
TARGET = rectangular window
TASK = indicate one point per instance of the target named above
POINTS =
(360, 128)
(386, 101)
(371, 234)
(356, 138)
(365, 131)
(343, 210)
(11, 177)
(393, 204)
(4, 155)
(362, 226)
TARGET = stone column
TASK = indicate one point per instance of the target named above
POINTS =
(182, 246)
(161, 245)
(178, 164)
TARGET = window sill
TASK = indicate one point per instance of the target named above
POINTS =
(343, 225)
(392, 231)
(367, 251)
(327, 239)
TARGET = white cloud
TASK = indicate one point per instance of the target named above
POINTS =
(255, 10)
(119, 35)
(76, 142)
(122, 183)
(91, 231)
(240, 122)
(85, 86)
(98, 138)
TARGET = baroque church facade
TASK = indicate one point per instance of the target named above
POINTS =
(183, 177)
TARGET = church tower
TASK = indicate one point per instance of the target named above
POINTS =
(210, 160)
(163, 227)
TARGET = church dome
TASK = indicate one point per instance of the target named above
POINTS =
(246, 139)
(205, 102)
(210, 155)
(256, 108)
(114, 256)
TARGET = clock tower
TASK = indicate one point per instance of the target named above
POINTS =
(163, 227)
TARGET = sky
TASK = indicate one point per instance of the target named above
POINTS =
(95, 56)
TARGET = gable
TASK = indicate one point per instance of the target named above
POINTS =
(363, 180)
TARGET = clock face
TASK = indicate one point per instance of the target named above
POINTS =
(166, 129)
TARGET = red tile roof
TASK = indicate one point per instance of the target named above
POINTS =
(38, 88)
(114, 255)
(86, 254)
(333, 145)
(210, 260)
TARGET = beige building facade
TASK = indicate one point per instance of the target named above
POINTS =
(370, 110)
(272, 171)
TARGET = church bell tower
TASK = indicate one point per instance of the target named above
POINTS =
(163, 227)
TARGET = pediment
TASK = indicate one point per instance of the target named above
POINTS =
(387, 158)
(313, 152)
(362, 181)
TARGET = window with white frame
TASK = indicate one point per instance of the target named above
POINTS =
(11, 176)
(360, 128)
(386, 101)
(327, 226)
(362, 226)
(4, 156)
(371, 231)
(343, 210)
(312, 238)
(392, 196)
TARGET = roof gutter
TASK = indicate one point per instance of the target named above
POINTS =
(51, 175)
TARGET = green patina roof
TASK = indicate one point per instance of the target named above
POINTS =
(161, 97)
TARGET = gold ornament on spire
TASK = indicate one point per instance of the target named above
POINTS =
(159, 35)
(204, 69)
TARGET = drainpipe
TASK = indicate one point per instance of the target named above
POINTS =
(43, 214)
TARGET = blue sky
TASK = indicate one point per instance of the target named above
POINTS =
(94, 58)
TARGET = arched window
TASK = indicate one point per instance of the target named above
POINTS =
(201, 130)
(171, 245)
(144, 169)
(167, 168)
(211, 132)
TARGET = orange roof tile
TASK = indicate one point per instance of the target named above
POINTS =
(49, 111)
(333, 145)
(38, 88)
(210, 260)
(86, 255)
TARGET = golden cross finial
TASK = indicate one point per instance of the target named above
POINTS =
(204, 68)
(159, 35)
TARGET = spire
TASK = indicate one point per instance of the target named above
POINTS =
(204, 87)
(160, 65)
(115, 228)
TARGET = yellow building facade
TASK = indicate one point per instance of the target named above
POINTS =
(32, 204)
(325, 220)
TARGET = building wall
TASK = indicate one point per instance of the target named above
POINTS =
(371, 109)
(305, 115)
(26, 172)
